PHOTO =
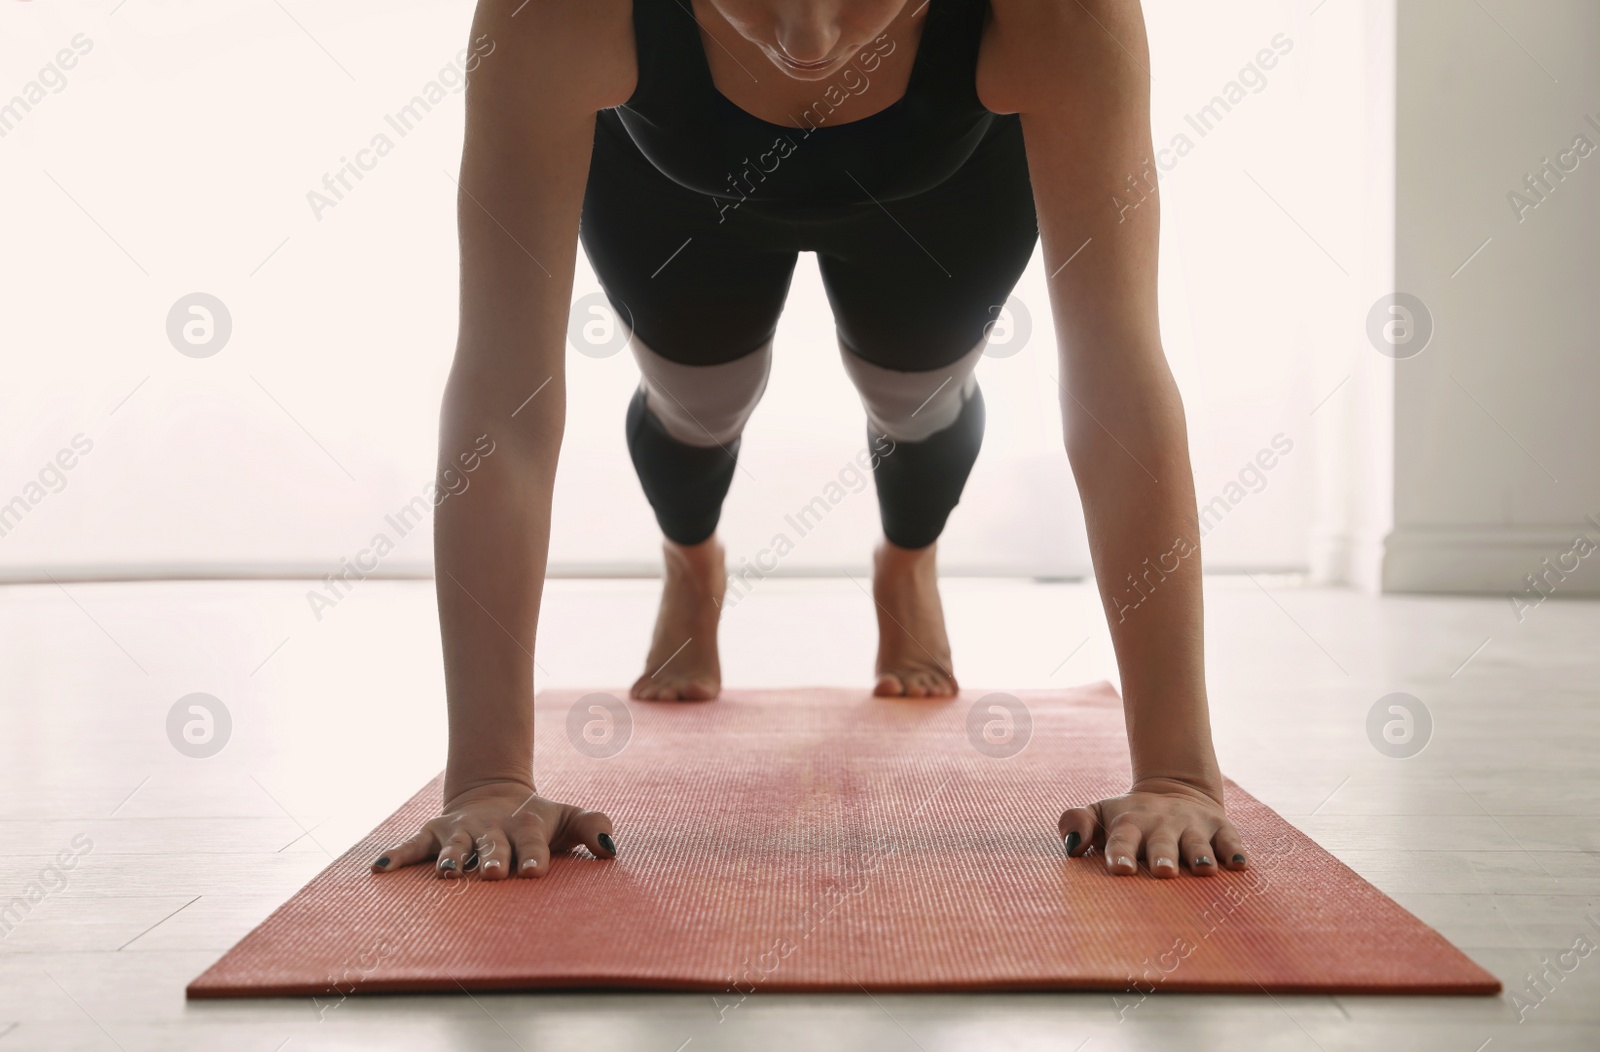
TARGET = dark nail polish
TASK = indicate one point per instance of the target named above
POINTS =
(1238, 858)
(447, 863)
(382, 862)
(1073, 840)
(607, 843)
(1203, 860)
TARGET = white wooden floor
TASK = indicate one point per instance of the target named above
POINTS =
(1489, 834)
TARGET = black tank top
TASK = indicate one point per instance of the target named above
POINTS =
(689, 131)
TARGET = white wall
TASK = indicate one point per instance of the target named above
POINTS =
(177, 155)
(1497, 441)
(1354, 413)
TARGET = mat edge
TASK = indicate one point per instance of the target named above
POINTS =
(634, 985)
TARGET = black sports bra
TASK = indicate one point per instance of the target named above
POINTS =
(693, 134)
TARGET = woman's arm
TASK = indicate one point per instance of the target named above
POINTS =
(545, 68)
(1077, 72)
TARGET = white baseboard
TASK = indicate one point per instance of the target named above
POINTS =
(200, 570)
(1493, 560)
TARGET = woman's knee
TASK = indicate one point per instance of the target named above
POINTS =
(912, 406)
(703, 405)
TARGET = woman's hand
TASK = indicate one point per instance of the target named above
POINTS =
(1168, 823)
(502, 828)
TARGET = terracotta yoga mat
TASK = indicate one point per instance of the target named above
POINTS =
(822, 839)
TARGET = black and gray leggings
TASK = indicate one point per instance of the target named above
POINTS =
(914, 285)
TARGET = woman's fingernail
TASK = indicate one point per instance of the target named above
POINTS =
(382, 862)
(1124, 860)
(607, 843)
(447, 863)
(1238, 858)
(1165, 862)
(493, 863)
(1073, 840)
(530, 863)
(1203, 860)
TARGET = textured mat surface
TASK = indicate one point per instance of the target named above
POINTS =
(826, 840)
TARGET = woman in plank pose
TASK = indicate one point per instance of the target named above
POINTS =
(920, 149)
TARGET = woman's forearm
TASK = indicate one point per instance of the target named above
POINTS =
(491, 540)
(1131, 461)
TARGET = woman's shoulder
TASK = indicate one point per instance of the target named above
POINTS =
(581, 48)
(1029, 44)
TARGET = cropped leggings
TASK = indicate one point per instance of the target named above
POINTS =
(914, 284)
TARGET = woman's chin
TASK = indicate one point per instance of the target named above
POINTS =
(809, 73)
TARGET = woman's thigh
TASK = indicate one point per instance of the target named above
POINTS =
(916, 282)
(697, 286)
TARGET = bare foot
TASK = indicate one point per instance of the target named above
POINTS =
(682, 664)
(913, 650)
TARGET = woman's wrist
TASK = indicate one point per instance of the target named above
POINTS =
(1178, 757)
(460, 783)
(483, 753)
(1169, 737)
(1206, 785)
